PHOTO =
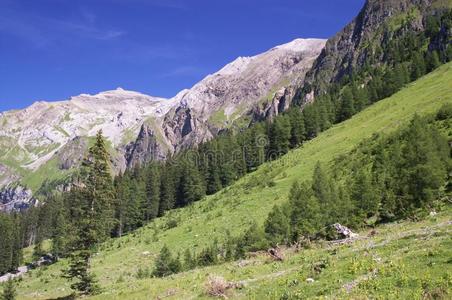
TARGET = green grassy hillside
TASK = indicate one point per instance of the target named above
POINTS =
(251, 198)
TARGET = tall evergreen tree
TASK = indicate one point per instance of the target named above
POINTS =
(59, 235)
(305, 214)
(94, 208)
(152, 192)
(297, 127)
(425, 158)
(167, 190)
(365, 194)
(165, 264)
(276, 226)
(347, 108)
(279, 137)
(432, 60)
(191, 184)
(322, 187)
(417, 66)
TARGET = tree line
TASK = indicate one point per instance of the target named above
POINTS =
(387, 178)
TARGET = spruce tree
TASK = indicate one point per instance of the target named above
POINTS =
(252, 240)
(276, 226)
(167, 190)
(228, 173)
(213, 178)
(365, 194)
(164, 264)
(136, 205)
(97, 189)
(191, 185)
(94, 207)
(59, 235)
(311, 121)
(433, 60)
(347, 108)
(322, 187)
(9, 291)
(279, 137)
(297, 126)
(79, 264)
(17, 251)
(152, 192)
(189, 261)
(6, 245)
(305, 212)
(417, 66)
(425, 157)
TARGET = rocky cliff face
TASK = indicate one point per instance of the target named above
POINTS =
(16, 198)
(353, 46)
(49, 138)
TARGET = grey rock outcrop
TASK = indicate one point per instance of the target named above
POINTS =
(144, 149)
(16, 198)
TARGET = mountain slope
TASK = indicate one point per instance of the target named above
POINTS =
(48, 139)
(232, 209)
(362, 43)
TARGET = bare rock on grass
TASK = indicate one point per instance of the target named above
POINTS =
(344, 231)
(217, 286)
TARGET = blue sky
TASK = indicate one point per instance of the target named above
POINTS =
(53, 49)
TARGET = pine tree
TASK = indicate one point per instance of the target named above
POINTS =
(38, 252)
(97, 189)
(365, 194)
(322, 187)
(279, 137)
(79, 264)
(59, 235)
(254, 146)
(191, 185)
(432, 60)
(345, 208)
(136, 205)
(122, 193)
(167, 191)
(423, 171)
(298, 132)
(6, 243)
(305, 211)
(417, 66)
(164, 264)
(17, 251)
(276, 226)
(9, 291)
(189, 261)
(311, 121)
(252, 240)
(213, 178)
(152, 192)
(227, 173)
(208, 256)
(347, 108)
(94, 207)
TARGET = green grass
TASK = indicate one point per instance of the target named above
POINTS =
(218, 118)
(48, 171)
(252, 197)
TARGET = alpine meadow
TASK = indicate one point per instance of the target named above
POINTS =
(319, 169)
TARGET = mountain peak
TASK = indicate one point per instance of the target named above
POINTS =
(300, 45)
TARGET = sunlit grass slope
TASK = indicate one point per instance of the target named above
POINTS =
(251, 198)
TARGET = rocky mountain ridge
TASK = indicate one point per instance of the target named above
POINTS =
(359, 44)
(51, 137)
